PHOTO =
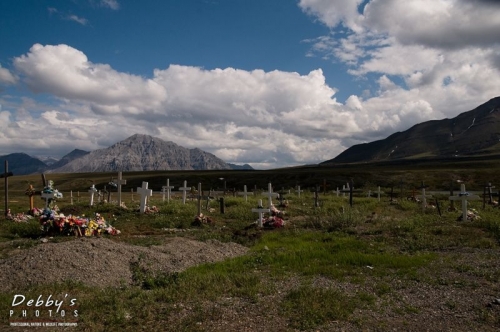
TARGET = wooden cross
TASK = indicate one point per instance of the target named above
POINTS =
(281, 196)
(260, 210)
(316, 196)
(6, 176)
(325, 186)
(30, 192)
(298, 191)
(71, 196)
(488, 188)
(144, 192)
(91, 191)
(392, 195)
(184, 190)
(424, 197)
(244, 193)
(464, 197)
(270, 194)
(349, 189)
(199, 199)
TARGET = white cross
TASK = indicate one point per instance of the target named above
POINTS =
(378, 193)
(47, 197)
(299, 191)
(92, 191)
(369, 193)
(166, 189)
(184, 190)
(338, 192)
(244, 193)
(464, 196)
(145, 193)
(270, 194)
(260, 210)
(423, 198)
(119, 184)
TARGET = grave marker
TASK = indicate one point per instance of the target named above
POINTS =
(30, 192)
(349, 189)
(298, 191)
(464, 197)
(184, 190)
(260, 210)
(487, 190)
(91, 191)
(270, 194)
(47, 197)
(199, 199)
(316, 196)
(167, 189)
(144, 192)
(244, 193)
(71, 196)
(378, 193)
(119, 183)
(325, 186)
(6, 176)
(423, 197)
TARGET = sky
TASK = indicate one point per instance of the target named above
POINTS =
(269, 83)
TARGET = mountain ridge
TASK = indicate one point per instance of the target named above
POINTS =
(471, 133)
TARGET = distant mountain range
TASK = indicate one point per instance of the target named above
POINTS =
(472, 133)
(136, 153)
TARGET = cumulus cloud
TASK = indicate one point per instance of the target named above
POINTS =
(270, 118)
(444, 55)
(6, 77)
(231, 112)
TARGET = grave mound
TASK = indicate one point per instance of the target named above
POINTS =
(102, 262)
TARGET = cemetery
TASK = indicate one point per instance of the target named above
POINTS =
(336, 250)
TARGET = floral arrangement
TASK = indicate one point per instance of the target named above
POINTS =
(273, 222)
(49, 189)
(52, 222)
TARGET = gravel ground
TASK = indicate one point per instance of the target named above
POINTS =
(102, 262)
(456, 292)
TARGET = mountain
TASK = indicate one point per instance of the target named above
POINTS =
(47, 160)
(240, 167)
(22, 164)
(143, 153)
(472, 133)
(75, 154)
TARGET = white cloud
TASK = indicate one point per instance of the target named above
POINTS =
(334, 12)
(435, 58)
(267, 119)
(79, 20)
(6, 77)
(113, 4)
(292, 118)
(66, 73)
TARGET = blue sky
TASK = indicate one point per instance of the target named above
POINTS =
(270, 83)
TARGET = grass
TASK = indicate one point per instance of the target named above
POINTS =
(370, 244)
